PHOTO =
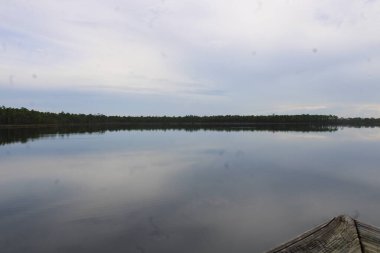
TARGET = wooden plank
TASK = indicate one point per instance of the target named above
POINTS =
(338, 235)
(369, 237)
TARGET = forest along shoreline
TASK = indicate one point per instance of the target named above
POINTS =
(23, 117)
(23, 125)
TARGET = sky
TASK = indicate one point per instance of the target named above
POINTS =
(199, 57)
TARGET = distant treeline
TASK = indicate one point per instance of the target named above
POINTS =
(23, 116)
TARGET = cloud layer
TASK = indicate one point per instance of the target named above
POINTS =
(199, 57)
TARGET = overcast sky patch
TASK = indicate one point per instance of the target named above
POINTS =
(250, 57)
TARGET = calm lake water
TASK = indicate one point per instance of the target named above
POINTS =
(178, 191)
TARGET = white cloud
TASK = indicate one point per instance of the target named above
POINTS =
(302, 108)
(91, 48)
(204, 47)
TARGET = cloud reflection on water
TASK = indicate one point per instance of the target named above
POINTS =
(172, 191)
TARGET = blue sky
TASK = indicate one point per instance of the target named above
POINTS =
(145, 57)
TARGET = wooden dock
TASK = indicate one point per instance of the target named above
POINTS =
(342, 234)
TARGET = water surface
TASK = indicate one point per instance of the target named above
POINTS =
(179, 191)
